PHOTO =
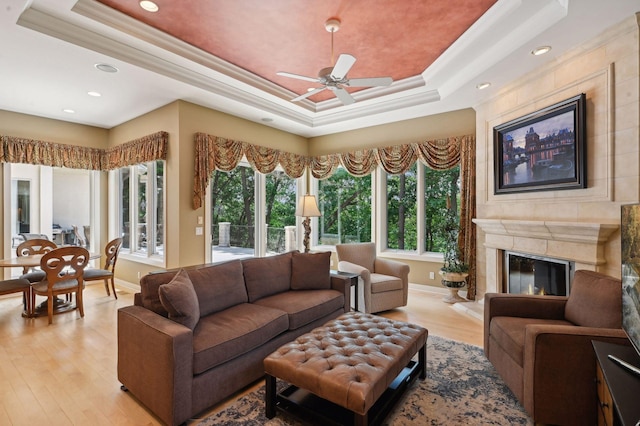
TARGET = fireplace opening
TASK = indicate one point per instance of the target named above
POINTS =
(530, 274)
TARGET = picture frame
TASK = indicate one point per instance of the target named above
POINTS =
(542, 151)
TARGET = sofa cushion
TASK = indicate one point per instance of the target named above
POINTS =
(180, 300)
(305, 306)
(149, 285)
(265, 276)
(509, 333)
(227, 334)
(219, 286)
(595, 300)
(310, 271)
(381, 283)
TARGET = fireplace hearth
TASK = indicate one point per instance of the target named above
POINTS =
(530, 274)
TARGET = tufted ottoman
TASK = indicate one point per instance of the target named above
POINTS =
(349, 371)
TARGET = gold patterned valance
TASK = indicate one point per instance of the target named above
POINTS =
(42, 153)
(216, 153)
(29, 151)
(142, 150)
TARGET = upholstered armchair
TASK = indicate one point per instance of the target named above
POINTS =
(541, 345)
(384, 283)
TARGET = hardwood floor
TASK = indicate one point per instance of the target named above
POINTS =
(65, 373)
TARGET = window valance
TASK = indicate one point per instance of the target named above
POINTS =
(142, 150)
(217, 153)
(30, 151)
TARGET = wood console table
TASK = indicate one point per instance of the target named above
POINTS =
(618, 389)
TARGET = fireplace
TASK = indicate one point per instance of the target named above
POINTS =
(530, 274)
(581, 243)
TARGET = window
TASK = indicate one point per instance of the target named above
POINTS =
(141, 213)
(252, 214)
(414, 205)
(345, 204)
(402, 212)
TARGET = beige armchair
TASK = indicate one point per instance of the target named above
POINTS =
(384, 283)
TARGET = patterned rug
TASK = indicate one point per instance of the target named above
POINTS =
(462, 388)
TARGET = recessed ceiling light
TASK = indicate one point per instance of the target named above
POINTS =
(540, 50)
(484, 85)
(106, 68)
(68, 111)
(94, 94)
(149, 6)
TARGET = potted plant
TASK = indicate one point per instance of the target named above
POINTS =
(454, 271)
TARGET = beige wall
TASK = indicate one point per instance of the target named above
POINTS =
(606, 69)
(438, 126)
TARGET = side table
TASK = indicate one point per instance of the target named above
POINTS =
(354, 283)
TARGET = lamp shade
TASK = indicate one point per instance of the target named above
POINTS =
(307, 206)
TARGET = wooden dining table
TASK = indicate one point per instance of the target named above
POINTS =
(33, 261)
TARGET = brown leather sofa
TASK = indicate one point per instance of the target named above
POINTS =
(197, 335)
(541, 346)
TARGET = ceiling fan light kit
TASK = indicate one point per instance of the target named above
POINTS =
(335, 78)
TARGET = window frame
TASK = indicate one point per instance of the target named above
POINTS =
(151, 254)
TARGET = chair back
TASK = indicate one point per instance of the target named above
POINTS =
(65, 264)
(35, 246)
(111, 251)
(363, 254)
(595, 300)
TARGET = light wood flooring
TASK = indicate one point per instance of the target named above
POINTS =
(65, 373)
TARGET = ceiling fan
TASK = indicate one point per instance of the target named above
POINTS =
(335, 78)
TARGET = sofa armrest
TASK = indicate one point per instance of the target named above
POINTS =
(561, 357)
(392, 268)
(343, 285)
(155, 362)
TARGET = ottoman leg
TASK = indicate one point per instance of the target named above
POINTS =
(270, 396)
(422, 361)
(360, 419)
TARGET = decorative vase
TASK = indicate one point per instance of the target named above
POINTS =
(453, 281)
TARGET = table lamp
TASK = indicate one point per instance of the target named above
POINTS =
(307, 208)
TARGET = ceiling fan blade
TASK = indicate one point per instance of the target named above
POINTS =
(344, 96)
(310, 93)
(369, 82)
(342, 66)
(299, 77)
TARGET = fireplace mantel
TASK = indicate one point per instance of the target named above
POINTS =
(580, 242)
(575, 232)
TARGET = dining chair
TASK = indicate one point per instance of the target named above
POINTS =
(64, 269)
(19, 285)
(29, 248)
(94, 274)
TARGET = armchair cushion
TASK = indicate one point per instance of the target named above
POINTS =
(180, 300)
(310, 271)
(595, 301)
(509, 333)
(381, 283)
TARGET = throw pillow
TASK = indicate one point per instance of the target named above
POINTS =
(180, 299)
(310, 271)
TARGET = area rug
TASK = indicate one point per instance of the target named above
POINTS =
(462, 388)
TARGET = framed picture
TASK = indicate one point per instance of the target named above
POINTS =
(542, 151)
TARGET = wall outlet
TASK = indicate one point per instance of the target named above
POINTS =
(432, 275)
(139, 274)
(200, 220)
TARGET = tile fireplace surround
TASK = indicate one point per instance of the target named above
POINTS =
(580, 242)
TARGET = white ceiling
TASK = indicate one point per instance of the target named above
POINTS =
(48, 49)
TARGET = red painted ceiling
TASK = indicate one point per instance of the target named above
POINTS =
(388, 38)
